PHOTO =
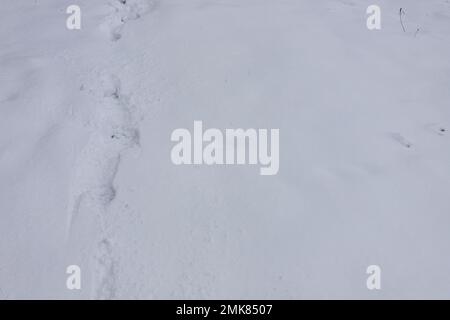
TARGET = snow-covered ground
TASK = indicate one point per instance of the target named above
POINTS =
(86, 176)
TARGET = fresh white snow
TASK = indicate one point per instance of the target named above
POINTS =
(85, 171)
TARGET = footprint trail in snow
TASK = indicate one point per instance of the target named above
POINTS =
(113, 131)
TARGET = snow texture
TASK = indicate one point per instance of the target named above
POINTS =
(86, 177)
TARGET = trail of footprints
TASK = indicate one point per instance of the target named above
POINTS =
(114, 130)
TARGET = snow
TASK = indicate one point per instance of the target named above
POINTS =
(86, 177)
